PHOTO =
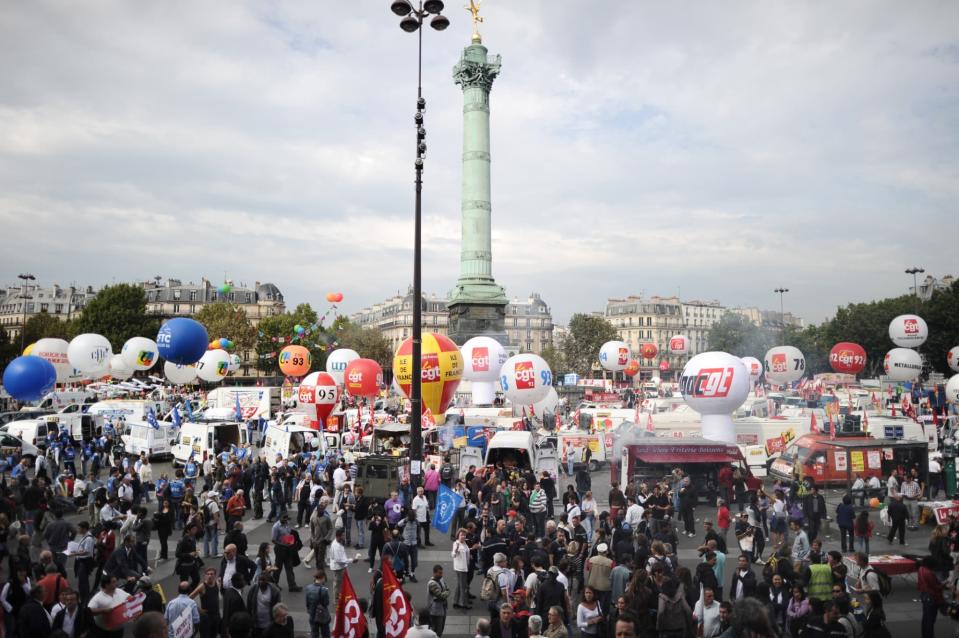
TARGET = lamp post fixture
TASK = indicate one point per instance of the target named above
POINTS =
(782, 314)
(412, 21)
(24, 287)
(915, 271)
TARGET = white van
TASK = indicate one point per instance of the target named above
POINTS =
(207, 438)
(141, 437)
(129, 409)
(580, 440)
(59, 400)
(255, 401)
(513, 447)
(287, 441)
(80, 426)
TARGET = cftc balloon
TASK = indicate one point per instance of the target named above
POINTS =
(678, 344)
(55, 351)
(140, 353)
(847, 358)
(614, 355)
(526, 378)
(648, 350)
(952, 358)
(784, 364)
(338, 360)
(29, 378)
(952, 389)
(902, 364)
(90, 354)
(119, 369)
(179, 374)
(363, 378)
(754, 367)
(182, 340)
(715, 384)
(483, 357)
(213, 365)
(441, 368)
(295, 361)
(632, 368)
(908, 331)
(319, 389)
(547, 405)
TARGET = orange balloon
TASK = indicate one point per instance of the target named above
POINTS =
(632, 368)
(295, 361)
(334, 297)
(648, 350)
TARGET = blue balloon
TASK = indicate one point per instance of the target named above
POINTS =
(29, 378)
(182, 341)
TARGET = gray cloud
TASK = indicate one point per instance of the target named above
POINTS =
(720, 149)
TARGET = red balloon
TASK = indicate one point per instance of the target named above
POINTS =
(632, 368)
(664, 365)
(319, 389)
(648, 350)
(848, 358)
(334, 297)
(363, 378)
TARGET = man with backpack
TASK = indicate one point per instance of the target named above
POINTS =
(318, 605)
(869, 578)
(211, 524)
(497, 585)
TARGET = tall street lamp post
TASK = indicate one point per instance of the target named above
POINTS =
(412, 21)
(782, 314)
(914, 271)
(24, 287)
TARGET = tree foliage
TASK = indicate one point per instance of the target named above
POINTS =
(230, 321)
(118, 313)
(44, 325)
(580, 348)
(738, 336)
(555, 359)
(276, 332)
(8, 350)
(368, 342)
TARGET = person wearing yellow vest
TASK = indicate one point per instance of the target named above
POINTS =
(820, 582)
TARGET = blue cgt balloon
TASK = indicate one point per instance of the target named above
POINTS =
(29, 378)
(182, 341)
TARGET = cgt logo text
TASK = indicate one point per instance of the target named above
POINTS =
(911, 326)
(525, 375)
(481, 359)
(356, 377)
(708, 383)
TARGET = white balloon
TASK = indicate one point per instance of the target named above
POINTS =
(338, 360)
(526, 379)
(614, 355)
(785, 364)
(952, 358)
(213, 365)
(715, 384)
(119, 369)
(678, 344)
(55, 351)
(179, 375)
(235, 363)
(952, 389)
(140, 353)
(547, 404)
(902, 364)
(90, 354)
(483, 358)
(754, 367)
(908, 331)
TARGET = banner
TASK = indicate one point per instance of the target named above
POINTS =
(349, 621)
(447, 502)
(129, 610)
(397, 615)
(858, 461)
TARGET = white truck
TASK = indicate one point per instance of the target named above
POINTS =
(255, 401)
(34, 431)
(581, 440)
(514, 449)
(59, 400)
(143, 438)
(283, 442)
(121, 411)
(207, 438)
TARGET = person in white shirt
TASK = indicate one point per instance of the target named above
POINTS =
(109, 512)
(935, 471)
(634, 514)
(340, 476)
(892, 486)
(63, 616)
(873, 485)
(706, 615)
(461, 560)
(146, 477)
(125, 492)
(421, 506)
(859, 489)
(106, 599)
(338, 562)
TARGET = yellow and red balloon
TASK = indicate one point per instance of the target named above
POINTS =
(441, 370)
(295, 361)
(632, 368)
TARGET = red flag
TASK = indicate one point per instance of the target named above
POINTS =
(649, 423)
(349, 621)
(396, 610)
(812, 422)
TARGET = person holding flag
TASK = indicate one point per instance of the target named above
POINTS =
(349, 620)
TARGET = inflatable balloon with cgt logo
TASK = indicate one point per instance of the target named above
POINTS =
(483, 357)
(338, 360)
(363, 378)
(526, 379)
(785, 364)
(441, 370)
(614, 355)
(715, 384)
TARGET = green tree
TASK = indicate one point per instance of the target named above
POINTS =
(8, 350)
(555, 358)
(368, 342)
(738, 336)
(118, 313)
(868, 325)
(587, 333)
(229, 321)
(276, 332)
(940, 313)
(45, 325)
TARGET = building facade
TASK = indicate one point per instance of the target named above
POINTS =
(655, 319)
(19, 303)
(529, 322)
(698, 318)
(932, 284)
(769, 318)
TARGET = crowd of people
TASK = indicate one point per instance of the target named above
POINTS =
(548, 562)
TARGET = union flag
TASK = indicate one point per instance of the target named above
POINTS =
(397, 614)
(349, 621)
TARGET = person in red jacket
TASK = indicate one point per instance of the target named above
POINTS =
(726, 482)
(930, 592)
(723, 518)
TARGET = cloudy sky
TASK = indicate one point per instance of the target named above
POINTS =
(717, 149)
